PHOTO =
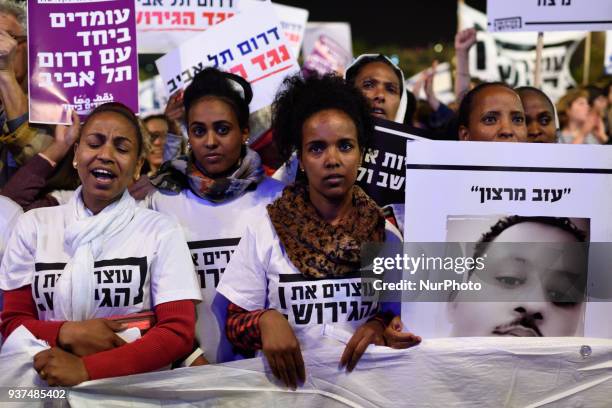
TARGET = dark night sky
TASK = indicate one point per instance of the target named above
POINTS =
(406, 23)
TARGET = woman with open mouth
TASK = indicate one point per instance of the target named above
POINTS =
(214, 192)
(69, 269)
(293, 268)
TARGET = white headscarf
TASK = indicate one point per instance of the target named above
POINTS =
(85, 237)
(401, 110)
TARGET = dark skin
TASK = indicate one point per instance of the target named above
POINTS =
(330, 155)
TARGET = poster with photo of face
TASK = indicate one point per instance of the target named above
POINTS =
(537, 217)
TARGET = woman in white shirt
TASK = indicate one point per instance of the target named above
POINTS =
(297, 269)
(68, 269)
(214, 192)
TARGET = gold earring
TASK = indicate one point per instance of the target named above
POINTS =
(74, 164)
(137, 177)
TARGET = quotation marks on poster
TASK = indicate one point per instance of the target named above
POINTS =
(519, 194)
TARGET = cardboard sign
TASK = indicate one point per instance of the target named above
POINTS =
(80, 55)
(469, 192)
(250, 44)
(510, 57)
(549, 15)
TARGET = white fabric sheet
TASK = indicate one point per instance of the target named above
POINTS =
(459, 372)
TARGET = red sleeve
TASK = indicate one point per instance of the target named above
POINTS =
(19, 309)
(27, 183)
(170, 339)
(242, 327)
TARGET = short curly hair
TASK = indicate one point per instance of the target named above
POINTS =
(300, 98)
(503, 224)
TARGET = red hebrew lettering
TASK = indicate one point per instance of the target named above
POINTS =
(284, 53)
(139, 17)
(220, 17)
(176, 18)
(239, 70)
(260, 59)
(208, 15)
(189, 18)
(273, 57)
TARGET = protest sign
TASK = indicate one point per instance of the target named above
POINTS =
(549, 15)
(442, 83)
(327, 47)
(382, 172)
(165, 24)
(608, 54)
(510, 57)
(80, 55)
(250, 44)
(468, 192)
(152, 97)
(293, 22)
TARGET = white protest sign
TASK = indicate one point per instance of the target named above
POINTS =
(293, 22)
(250, 44)
(510, 57)
(165, 24)
(549, 15)
(442, 86)
(608, 54)
(152, 96)
(464, 189)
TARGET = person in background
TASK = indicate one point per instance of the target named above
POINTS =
(160, 128)
(540, 114)
(382, 83)
(50, 273)
(19, 141)
(214, 192)
(312, 236)
(492, 112)
(578, 126)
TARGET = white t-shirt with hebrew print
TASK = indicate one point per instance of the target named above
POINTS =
(213, 231)
(145, 264)
(261, 276)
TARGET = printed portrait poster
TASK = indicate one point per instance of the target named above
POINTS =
(250, 44)
(528, 228)
(81, 54)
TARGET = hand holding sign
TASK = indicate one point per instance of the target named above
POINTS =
(65, 137)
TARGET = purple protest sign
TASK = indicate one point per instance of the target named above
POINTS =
(81, 54)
